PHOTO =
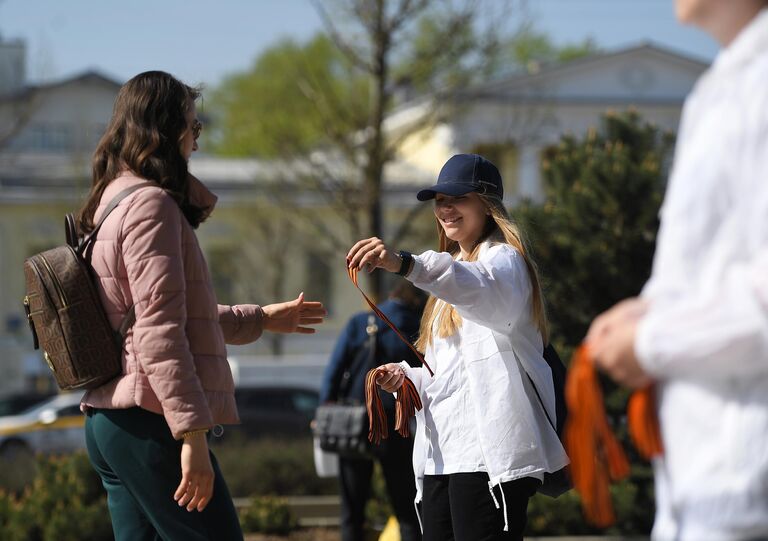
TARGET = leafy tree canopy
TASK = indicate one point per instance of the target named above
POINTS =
(282, 105)
(270, 110)
(595, 233)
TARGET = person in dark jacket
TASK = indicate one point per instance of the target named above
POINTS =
(404, 308)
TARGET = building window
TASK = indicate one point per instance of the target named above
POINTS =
(49, 138)
(506, 157)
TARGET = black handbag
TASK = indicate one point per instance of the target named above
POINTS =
(342, 428)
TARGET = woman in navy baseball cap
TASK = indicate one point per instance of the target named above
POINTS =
(484, 439)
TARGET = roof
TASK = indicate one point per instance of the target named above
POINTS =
(523, 81)
(90, 76)
(558, 68)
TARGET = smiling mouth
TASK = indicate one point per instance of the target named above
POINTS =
(450, 221)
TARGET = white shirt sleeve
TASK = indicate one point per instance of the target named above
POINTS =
(723, 334)
(414, 373)
(715, 328)
(493, 291)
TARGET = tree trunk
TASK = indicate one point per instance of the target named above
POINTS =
(374, 170)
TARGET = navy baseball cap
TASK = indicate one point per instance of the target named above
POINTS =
(465, 173)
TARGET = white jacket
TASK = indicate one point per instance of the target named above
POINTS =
(705, 336)
(497, 336)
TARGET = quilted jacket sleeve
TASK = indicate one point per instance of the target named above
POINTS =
(241, 323)
(152, 251)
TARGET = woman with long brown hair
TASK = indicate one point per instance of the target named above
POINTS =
(146, 430)
(483, 438)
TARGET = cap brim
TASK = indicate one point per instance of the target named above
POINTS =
(453, 189)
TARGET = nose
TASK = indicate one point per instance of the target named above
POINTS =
(443, 205)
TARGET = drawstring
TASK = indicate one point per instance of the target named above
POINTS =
(418, 516)
(490, 489)
(407, 400)
(596, 456)
(504, 503)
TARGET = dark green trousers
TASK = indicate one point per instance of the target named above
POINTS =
(140, 467)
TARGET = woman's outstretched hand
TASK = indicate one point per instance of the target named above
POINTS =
(372, 253)
(390, 377)
(293, 316)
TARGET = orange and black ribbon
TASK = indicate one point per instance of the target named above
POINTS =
(353, 276)
(408, 401)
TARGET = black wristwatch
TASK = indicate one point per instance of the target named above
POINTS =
(406, 262)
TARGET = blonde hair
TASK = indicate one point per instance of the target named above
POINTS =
(499, 227)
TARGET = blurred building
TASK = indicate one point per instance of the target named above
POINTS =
(256, 249)
(513, 121)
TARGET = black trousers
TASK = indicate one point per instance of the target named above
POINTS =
(459, 507)
(355, 482)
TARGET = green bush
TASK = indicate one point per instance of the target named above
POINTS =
(563, 516)
(271, 467)
(65, 502)
(268, 514)
(17, 472)
(379, 509)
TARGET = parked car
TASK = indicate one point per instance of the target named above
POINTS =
(53, 426)
(56, 425)
(15, 403)
(281, 411)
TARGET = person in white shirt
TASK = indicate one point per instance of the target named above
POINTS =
(700, 328)
(483, 439)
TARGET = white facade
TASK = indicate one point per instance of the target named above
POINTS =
(522, 115)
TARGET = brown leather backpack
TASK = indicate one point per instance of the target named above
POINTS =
(65, 312)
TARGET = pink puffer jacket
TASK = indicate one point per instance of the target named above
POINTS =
(174, 356)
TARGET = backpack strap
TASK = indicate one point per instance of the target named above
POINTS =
(128, 321)
(535, 390)
(70, 230)
(550, 356)
(81, 246)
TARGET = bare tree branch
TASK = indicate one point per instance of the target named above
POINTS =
(343, 46)
(407, 223)
(382, 31)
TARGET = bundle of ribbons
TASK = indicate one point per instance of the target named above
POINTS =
(596, 456)
(408, 401)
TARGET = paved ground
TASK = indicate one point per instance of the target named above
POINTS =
(309, 534)
(332, 534)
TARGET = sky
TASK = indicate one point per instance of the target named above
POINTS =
(202, 41)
